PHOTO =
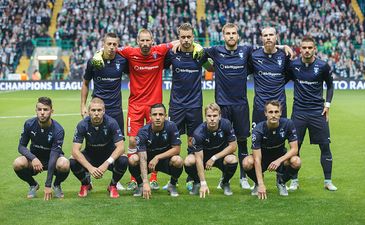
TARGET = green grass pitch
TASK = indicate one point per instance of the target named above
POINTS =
(309, 205)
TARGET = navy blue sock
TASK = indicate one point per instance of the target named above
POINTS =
(326, 160)
(120, 166)
(26, 175)
(60, 177)
(192, 172)
(242, 153)
(175, 174)
(79, 172)
(136, 173)
(229, 171)
(252, 174)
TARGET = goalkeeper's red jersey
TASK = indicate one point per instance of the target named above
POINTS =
(145, 74)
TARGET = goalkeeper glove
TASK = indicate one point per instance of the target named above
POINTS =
(198, 51)
(97, 60)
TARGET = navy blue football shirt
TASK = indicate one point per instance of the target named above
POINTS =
(231, 71)
(308, 84)
(186, 79)
(107, 81)
(205, 140)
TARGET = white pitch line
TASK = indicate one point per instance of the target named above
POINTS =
(54, 115)
(14, 117)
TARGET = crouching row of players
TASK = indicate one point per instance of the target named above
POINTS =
(158, 147)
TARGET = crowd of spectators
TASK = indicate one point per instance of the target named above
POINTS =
(87, 21)
(20, 22)
(333, 23)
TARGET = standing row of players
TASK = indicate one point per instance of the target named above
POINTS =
(232, 63)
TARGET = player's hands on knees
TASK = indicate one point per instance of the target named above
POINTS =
(204, 190)
(103, 167)
(47, 193)
(146, 191)
(274, 165)
(209, 164)
(37, 165)
(261, 192)
(96, 173)
(153, 163)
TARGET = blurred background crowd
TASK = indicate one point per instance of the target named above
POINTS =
(334, 24)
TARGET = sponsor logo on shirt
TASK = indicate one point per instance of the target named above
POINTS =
(41, 147)
(179, 70)
(307, 82)
(233, 67)
(140, 68)
(269, 74)
(107, 78)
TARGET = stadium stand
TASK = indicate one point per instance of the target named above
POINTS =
(20, 22)
(334, 24)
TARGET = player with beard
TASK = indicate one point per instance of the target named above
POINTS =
(310, 110)
(45, 151)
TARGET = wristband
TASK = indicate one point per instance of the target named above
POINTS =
(110, 160)
(214, 158)
(203, 183)
(327, 104)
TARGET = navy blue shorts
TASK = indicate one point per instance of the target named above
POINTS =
(267, 159)
(259, 115)
(163, 165)
(218, 163)
(187, 120)
(319, 132)
(118, 116)
(97, 159)
(239, 117)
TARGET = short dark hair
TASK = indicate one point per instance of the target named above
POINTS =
(111, 35)
(274, 103)
(45, 101)
(185, 26)
(158, 105)
(308, 38)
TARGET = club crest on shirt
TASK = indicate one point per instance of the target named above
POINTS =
(49, 136)
(282, 133)
(117, 66)
(154, 55)
(280, 61)
(316, 70)
(164, 136)
(241, 54)
(105, 131)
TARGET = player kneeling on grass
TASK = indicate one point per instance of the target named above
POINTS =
(104, 149)
(269, 152)
(214, 144)
(158, 147)
(45, 153)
